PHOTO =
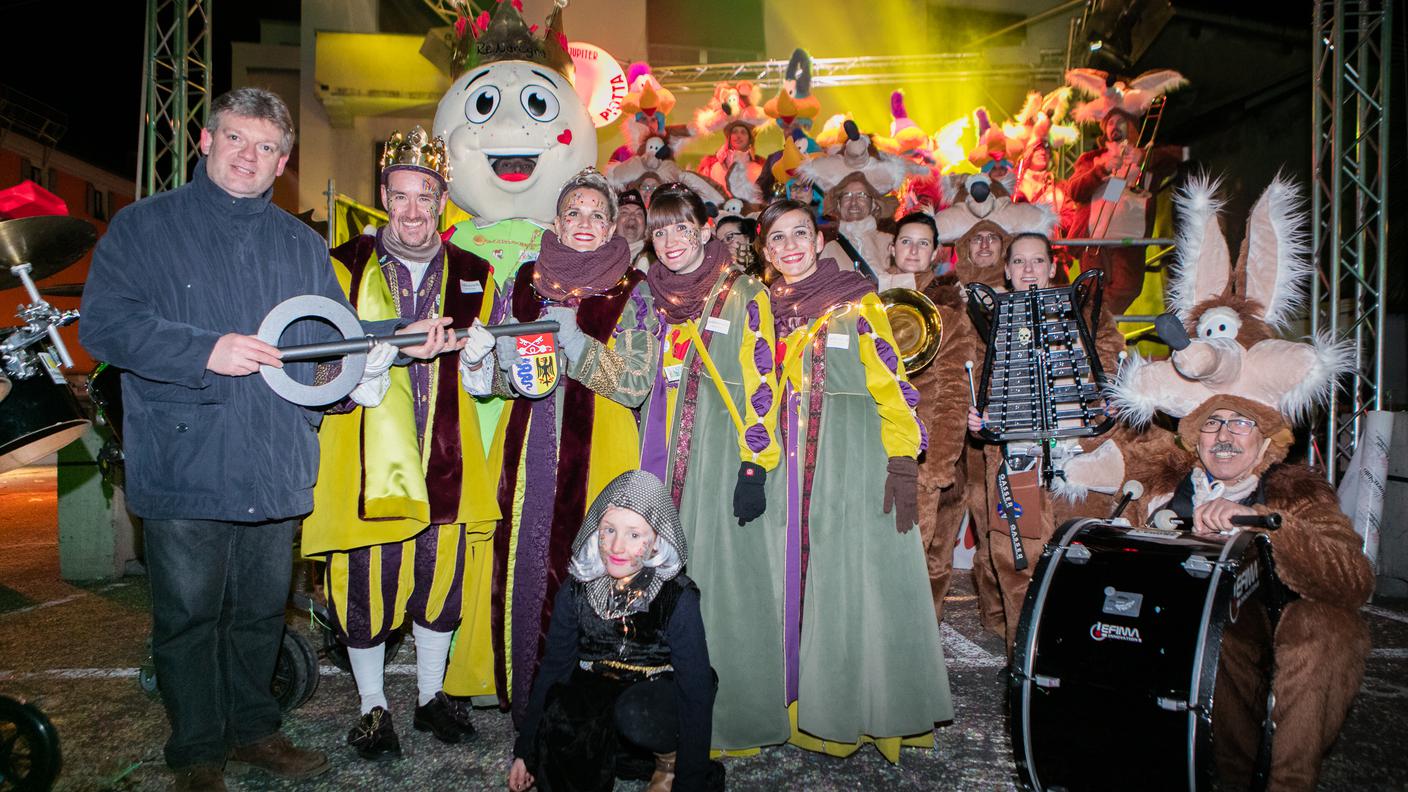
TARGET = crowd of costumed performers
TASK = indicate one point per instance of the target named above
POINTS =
(718, 509)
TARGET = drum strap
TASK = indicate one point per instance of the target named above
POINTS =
(1010, 513)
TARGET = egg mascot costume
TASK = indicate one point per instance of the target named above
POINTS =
(515, 132)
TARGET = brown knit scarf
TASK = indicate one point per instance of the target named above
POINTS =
(563, 273)
(681, 297)
(807, 299)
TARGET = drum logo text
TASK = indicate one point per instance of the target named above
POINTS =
(1245, 585)
(1116, 632)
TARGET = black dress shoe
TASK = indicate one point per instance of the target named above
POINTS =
(374, 737)
(447, 719)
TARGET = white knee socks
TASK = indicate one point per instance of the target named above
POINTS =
(432, 653)
(368, 671)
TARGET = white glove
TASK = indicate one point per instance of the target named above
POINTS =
(477, 346)
(477, 378)
(376, 378)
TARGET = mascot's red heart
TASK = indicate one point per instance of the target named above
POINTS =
(565, 138)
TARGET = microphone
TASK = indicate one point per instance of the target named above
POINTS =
(1167, 520)
(1132, 490)
(1171, 331)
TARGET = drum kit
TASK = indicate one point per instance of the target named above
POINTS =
(38, 412)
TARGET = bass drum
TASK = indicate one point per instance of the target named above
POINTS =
(38, 418)
(1127, 639)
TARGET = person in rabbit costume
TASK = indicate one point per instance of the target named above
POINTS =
(1238, 389)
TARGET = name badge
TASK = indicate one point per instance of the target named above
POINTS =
(838, 341)
(717, 325)
(471, 287)
(673, 373)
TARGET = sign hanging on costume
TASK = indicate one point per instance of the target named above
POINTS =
(600, 81)
(535, 373)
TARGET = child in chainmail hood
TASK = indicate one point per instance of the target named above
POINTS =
(626, 671)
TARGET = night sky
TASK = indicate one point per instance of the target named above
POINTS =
(85, 61)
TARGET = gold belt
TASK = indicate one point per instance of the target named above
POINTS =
(587, 665)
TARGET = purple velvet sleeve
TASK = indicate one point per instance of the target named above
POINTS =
(887, 355)
(762, 357)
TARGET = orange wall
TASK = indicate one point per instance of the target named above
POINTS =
(74, 191)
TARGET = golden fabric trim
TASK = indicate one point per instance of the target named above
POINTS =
(589, 665)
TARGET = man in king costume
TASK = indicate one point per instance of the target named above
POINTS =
(404, 510)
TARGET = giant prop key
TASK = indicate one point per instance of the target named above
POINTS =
(354, 346)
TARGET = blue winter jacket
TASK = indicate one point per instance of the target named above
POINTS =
(174, 273)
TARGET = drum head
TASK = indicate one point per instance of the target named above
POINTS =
(37, 419)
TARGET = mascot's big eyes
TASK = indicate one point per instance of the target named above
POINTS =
(1219, 323)
(481, 104)
(540, 103)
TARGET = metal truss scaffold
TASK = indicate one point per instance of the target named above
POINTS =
(175, 92)
(868, 70)
(1349, 207)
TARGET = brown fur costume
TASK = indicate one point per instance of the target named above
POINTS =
(1236, 362)
(944, 410)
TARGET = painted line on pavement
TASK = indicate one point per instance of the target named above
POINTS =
(960, 652)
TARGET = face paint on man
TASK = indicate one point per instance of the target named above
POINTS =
(413, 205)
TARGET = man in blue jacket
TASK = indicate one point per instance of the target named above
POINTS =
(217, 465)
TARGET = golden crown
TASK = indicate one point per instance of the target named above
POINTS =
(416, 149)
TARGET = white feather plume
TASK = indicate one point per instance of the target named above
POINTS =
(1131, 397)
(1285, 207)
(1333, 359)
(1199, 205)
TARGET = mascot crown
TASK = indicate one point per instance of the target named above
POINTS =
(504, 36)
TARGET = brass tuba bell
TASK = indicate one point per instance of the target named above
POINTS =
(917, 326)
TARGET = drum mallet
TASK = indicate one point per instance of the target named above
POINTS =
(1167, 520)
(972, 391)
(1132, 490)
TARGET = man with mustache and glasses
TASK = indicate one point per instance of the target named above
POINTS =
(1321, 641)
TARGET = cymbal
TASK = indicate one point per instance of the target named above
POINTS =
(62, 290)
(47, 243)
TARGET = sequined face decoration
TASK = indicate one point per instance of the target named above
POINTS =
(792, 244)
(626, 540)
(413, 205)
(680, 247)
(583, 222)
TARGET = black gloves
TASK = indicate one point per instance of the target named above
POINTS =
(748, 498)
(902, 492)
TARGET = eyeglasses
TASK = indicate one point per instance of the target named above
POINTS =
(984, 239)
(1236, 426)
(855, 196)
